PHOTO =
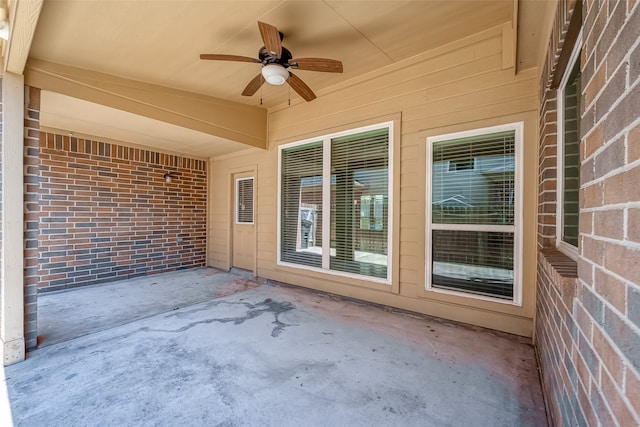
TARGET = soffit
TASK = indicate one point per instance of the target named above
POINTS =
(64, 114)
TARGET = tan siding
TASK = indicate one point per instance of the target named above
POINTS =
(442, 92)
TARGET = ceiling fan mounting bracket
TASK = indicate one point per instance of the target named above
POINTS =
(267, 57)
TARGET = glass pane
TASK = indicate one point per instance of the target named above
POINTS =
(244, 200)
(571, 146)
(473, 261)
(360, 203)
(301, 209)
(473, 180)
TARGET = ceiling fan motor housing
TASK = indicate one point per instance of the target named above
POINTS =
(267, 57)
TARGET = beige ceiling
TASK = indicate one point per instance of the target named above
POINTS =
(159, 42)
(63, 114)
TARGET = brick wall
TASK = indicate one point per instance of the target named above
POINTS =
(588, 312)
(31, 214)
(107, 213)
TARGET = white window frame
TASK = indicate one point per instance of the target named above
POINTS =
(253, 200)
(516, 228)
(566, 248)
(326, 201)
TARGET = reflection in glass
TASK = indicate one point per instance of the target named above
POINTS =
(473, 180)
(473, 261)
(360, 203)
(301, 205)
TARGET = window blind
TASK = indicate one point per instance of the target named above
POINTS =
(301, 205)
(356, 186)
(359, 203)
(473, 213)
(244, 201)
(473, 261)
(482, 191)
(571, 157)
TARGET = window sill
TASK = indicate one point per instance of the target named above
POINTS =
(562, 271)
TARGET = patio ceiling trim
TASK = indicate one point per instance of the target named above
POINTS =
(237, 122)
(23, 18)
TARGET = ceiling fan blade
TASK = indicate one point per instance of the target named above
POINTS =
(271, 38)
(317, 64)
(253, 85)
(218, 57)
(301, 87)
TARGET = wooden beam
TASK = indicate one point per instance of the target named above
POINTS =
(508, 46)
(237, 122)
(510, 39)
(23, 19)
(12, 285)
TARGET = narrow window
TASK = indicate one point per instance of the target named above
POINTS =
(244, 201)
(360, 169)
(472, 215)
(334, 203)
(569, 103)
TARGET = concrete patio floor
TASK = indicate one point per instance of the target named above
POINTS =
(205, 347)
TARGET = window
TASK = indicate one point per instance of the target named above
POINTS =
(244, 200)
(569, 102)
(473, 222)
(334, 203)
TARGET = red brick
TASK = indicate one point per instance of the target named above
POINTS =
(623, 260)
(633, 225)
(591, 196)
(593, 249)
(119, 208)
(595, 85)
(633, 145)
(621, 411)
(593, 141)
(583, 320)
(623, 187)
(608, 356)
(583, 398)
(633, 389)
(611, 289)
(609, 223)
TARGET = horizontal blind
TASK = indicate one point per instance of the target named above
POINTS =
(571, 157)
(244, 201)
(301, 205)
(473, 261)
(473, 180)
(473, 184)
(360, 203)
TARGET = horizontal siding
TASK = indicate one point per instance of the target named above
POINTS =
(456, 90)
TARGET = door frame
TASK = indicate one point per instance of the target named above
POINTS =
(252, 170)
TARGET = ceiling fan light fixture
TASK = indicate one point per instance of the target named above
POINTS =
(275, 74)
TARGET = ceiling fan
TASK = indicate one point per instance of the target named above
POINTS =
(276, 61)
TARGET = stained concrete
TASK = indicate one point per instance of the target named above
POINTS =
(248, 354)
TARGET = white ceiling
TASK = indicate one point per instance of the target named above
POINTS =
(159, 42)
